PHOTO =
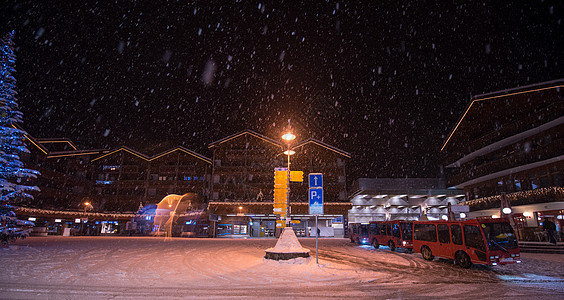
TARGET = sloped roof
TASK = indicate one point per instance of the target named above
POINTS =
(324, 145)
(482, 98)
(244, 132)
(150, 158)
(44, 141)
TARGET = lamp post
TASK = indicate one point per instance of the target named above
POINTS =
(288, 246)
(86, 205)
(288, 137)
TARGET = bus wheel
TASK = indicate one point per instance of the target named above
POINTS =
(426, 253)
(375, 244)
(392, 245)
(462, 259)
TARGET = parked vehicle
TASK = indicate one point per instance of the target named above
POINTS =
(394, 234)
(358, 233)
(482, 241)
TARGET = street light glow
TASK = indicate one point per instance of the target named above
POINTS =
(289, 152)
(288, 136)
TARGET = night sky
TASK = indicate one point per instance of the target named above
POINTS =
(384, 81)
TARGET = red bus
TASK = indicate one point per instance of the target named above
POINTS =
(394, 234)
(482, 241)
(358, 233)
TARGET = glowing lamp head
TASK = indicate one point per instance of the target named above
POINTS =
(288, 137)
(240, 207)
(86, 203)
(506, 210)
(462, 215)
(444, 217)
(289, 152)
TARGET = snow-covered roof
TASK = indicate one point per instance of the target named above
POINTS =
(244, 132)
(324, 145)
(533, 88)
(150, 158)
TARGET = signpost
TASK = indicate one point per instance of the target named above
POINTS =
(315, 197)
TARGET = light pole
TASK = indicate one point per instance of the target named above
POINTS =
(86, 205)
(288, 137)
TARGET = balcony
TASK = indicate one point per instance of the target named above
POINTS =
(552, 150)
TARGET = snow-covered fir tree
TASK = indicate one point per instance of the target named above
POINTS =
(13, 175)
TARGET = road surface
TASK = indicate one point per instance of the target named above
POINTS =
(150, 268)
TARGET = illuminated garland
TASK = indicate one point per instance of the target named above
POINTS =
(556, 193)
(45, 212)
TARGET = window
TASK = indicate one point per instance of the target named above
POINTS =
(517, 185)
(456, 234)
(444, 236)
(425, 232)
(382, 229)
(557, 179)
(473, 237)
(406, 231)
(396, 230)
(372, 228)
(534, 182)
(388, 229)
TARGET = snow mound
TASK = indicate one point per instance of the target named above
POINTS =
(288, 243)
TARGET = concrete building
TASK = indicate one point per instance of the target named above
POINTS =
(509, 146)
(383, 199)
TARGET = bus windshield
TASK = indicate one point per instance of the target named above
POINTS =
(500, 236)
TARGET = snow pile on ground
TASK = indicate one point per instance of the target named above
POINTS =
(288, 243)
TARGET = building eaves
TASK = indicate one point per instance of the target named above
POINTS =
(322, 144)
(246, 131)
(150, 158)
(554, 84)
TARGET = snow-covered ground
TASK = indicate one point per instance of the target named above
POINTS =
(150, 268)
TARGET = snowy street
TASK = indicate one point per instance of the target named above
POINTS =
(150, 268)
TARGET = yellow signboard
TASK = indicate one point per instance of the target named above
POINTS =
(279, 204)
(297, 176)
(295, 221)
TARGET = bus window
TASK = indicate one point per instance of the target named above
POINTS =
(396, 231)
(444, 236)
(456, 234)
(364, 229)
(388, 229)
(473, 237)
(406, 231)
(382, 229)
(425, 232)
(373, 228)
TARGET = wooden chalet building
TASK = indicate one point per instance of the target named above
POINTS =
(243, 181)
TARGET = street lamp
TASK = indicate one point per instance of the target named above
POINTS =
(86, 205)
(288, 137)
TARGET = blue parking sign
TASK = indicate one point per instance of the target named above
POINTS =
(315, 201)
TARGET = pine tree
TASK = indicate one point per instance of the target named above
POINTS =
(12, 171)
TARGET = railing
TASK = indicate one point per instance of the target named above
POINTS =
(552, 150)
